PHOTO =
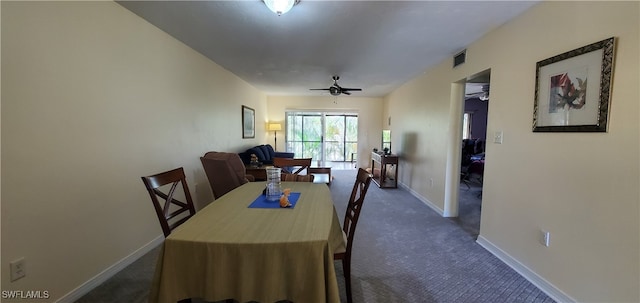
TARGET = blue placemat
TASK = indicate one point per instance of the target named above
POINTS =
(262, 202)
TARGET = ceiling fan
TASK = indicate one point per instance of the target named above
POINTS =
(483, 94)
(336, 90)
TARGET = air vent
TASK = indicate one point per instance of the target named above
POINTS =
(459, 58)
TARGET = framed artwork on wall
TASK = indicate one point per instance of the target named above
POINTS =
(248, 122)
(573, 89)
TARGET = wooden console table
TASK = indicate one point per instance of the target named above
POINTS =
(383, 160)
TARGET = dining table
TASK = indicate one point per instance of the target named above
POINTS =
(245, 248)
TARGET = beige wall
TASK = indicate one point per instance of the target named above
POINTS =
(369, 114)
(581, 187)
(93, 97)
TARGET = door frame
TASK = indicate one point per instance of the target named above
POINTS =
(454, 152)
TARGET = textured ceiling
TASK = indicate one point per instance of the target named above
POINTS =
(373, 45)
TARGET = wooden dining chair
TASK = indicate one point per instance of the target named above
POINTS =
(288, 165)
(360, 187)
(169, 219)
(296, 178)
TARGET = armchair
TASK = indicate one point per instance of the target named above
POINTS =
(225, 172)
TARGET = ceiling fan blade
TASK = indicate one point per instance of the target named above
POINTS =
(336, 90)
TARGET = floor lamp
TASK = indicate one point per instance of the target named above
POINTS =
(275, 127)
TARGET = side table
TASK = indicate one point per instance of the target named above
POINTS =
(322, 174)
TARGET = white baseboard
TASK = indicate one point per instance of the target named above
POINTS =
(544, 285)
(422, 199)
(106, 274)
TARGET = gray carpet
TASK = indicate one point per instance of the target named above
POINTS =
(403, 252)
(469, 207)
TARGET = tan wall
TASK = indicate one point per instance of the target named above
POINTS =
(369, 113)
(93, 97)
(79, 79)
(581, 187)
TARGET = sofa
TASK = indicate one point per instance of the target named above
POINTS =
(265, 154)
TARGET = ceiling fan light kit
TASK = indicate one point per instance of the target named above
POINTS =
(280, 6)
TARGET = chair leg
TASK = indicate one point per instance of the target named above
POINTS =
(346, 267)
(464, 179)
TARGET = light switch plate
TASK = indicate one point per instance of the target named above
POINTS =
(497, 137)
(545, 238)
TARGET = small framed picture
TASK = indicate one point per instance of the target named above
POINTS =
(573, 89)
(248, 122)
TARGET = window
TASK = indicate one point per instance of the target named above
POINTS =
(466, 125)
(386, 139)
(322, 136)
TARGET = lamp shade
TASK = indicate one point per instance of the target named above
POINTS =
(275, 126)
(280, 6)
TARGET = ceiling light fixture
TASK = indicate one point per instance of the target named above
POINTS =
(280, 6)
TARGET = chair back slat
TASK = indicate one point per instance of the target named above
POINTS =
(288, 164)
(296, 178)
(169, 199)
(166, 197)
(174, 177)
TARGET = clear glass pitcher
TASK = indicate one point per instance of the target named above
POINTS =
(273, 184)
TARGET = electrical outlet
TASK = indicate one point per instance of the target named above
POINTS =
(18, 269)
(545, 238)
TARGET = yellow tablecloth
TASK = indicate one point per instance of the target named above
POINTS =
(228, 250)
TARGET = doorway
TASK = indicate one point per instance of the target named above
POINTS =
(473, 142)
(322, 136)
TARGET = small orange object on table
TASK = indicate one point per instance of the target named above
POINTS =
(284, 199)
